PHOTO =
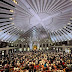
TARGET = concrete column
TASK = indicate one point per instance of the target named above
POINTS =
(55, 49)
(12, 50)
(7, 50)
(17, 49)
(67, 42)
(71, 51)
(0, 54)
(30, 45)
(22, 47)
(38, 46)
(45, 46)
(58, 49)
(42, 46)
(26, 46)
(63, 49)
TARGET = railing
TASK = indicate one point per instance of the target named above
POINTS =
(63, 46)
(7, 48)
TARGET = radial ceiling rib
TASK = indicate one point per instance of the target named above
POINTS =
(51, 37)
(58, 4)
(34, 3)
(67, 37)
(47, 5)
(67, 33)
(54, 37)
(62, 6)
(51, 4)
(38, 5)
(54, 5)
(63, 35)
(44, 6)
(63, 38)
(6, 5)
(12, 35)
(3, 35)
(57, 37)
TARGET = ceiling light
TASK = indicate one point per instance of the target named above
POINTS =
(15, 1)
(12, 23)
(10, 18)
(69, 23)
(21, 30)
(64, 27)
(11, 11)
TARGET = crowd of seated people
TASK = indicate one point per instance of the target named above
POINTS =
(37, 61)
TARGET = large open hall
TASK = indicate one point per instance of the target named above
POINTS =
(35, 35)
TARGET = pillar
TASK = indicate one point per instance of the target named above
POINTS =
(0, 54)
(71, 51)
(55, 49)
(67, 42)
(26, 46)
(22, 47)
(58, 49)
(45, 46)
(30, 45)
(42, 46)
(12, 50)
(7, 51)
(38, 46)
(63, 50)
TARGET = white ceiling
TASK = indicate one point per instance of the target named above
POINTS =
(37, 19)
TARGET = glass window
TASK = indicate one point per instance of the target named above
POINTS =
(43, 45)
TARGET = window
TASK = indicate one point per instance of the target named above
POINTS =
(43, 45)
(20, 46)
(40, 46)
(47, 45)
(24, 46)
